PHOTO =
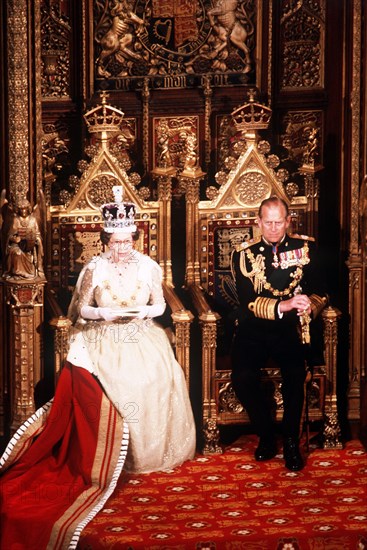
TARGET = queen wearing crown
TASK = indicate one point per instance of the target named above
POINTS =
(117, 296)
(121, 400)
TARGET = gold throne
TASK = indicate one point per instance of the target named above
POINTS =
(250, 173)
(74, 227)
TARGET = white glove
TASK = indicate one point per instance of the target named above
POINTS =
(150, 311)
(155, 310)
(111, 314)
(140, 312)
(106, 313)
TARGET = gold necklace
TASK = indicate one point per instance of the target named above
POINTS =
(129, 300)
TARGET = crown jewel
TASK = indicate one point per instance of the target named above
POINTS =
(118, 216)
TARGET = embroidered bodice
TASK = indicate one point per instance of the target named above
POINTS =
(104, 283)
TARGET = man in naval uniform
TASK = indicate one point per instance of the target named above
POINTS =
(277, 281)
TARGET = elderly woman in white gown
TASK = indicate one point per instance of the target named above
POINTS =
(114, 336)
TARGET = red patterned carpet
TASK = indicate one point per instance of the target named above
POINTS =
(231, 502)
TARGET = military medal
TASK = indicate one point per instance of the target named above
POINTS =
(275, 261)
(296, 257)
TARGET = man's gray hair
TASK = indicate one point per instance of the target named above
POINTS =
(274, 201)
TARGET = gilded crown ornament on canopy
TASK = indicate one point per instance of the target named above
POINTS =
(104, 119)
(118, 216)
(251, 115)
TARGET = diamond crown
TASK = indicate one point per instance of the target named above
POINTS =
(118, 216)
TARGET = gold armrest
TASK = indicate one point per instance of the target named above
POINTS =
(208, 320)
(206, 314)
(179, 313)
(182, 319)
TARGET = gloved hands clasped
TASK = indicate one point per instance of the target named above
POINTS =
(115, 313)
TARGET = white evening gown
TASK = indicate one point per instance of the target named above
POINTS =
(135, 363)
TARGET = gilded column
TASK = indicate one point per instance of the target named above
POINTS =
(208, 93)
(146, 97)
(354, 263)
(191, 183)
(331, 431)
(25, 301)
(24, 98)
(164, 179)
(23, 284)
(209, 348)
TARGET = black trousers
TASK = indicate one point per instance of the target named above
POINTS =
(255, 342)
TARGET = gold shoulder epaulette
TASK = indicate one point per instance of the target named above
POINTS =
(246, 244)
(304, 237)
(241, 246)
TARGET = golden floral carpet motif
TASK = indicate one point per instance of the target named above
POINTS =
(232, 502)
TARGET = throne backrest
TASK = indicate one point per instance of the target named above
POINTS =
(219, 232)
(74, 226)
(76, 239)
(250, 172)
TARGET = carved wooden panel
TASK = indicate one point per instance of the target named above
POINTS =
(173, 43)
(56, 49)
(230, 410)
(302, 39)
(171, 140)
